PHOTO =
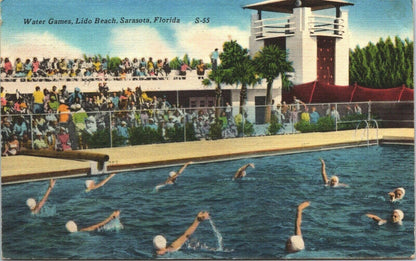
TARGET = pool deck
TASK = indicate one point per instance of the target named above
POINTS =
(23, 168)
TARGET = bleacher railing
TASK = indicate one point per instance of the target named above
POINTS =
(100, 129)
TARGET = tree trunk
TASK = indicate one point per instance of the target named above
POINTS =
(268, 111)
(243, 97)
(218, 96)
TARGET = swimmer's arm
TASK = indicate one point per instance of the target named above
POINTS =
(376, 218)
(323, 171)
(45, 197)
(301, 207)
(243, 168)
(103, 182)
(185, 236)
(113, 215)
(183, 168)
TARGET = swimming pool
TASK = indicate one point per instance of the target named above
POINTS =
(254, 216)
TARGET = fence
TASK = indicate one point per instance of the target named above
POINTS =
(100, 129)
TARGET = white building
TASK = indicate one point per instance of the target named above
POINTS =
(317, 45)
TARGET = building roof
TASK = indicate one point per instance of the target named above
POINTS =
(286, 6)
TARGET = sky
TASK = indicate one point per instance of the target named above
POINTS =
(190, 34)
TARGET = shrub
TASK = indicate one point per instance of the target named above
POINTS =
(274, 126)
(355, 120)
(101, 139)
(176, 134)
(323, 124)
(245, 127)
(145, 135)
(215, 130)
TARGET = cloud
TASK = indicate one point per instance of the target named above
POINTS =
(140, 41)
(28, 45)
(199, 40)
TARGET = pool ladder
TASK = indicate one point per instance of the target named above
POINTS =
(367, 130)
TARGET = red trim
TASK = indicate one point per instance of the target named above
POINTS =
(313, 90)
(353, 91)
(401, 93)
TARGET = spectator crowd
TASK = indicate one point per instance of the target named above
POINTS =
(91, 69)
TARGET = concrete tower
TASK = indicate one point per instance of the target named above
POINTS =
(317, 45)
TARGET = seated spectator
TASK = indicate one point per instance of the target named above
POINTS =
(90, 125)
(39, 143)
(150, 67)
(35, 66)
(64, 112)
(12, 146)
(26, 143)
(50, 139)
(20, 127)
(8, 67)
(53, 105)
(223, 119)
(200, 68)
(63, 140)
(18, 68)
(166, 67)
(183, 69)
(159, 67)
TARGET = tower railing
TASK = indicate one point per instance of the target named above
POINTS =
(321, 25)
(274, 27)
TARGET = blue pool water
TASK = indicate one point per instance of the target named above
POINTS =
(252, 218)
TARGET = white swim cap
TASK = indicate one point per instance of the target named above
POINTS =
(88, 183)
(400, 213)
(172, 173)
(71, 226)
(336, 179)
(159, 242)
(31, 203)
(295, 243)
(402, 190)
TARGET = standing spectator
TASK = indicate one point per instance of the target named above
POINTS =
(38, 98)
(334, 114)
(298, 102)
(73, 97)
(123, 131)
(294, 115)
(357, 109)
(228, 111)
(305, 116)
(115, 100)
(214, 58)
(314, 115)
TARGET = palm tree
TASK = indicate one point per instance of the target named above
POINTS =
(219, 76)
(269, 63)
(236, 58)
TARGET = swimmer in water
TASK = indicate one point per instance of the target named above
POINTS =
(90, 184)
(397, 194)
(72, 227)
(241, 172)
(396, 217)
(31, 202)
(159, 241)
(174, 175)
(295, 243)
(334, 181)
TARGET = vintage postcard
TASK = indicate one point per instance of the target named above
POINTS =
(215, 129)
